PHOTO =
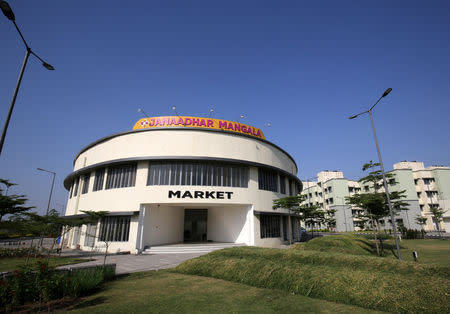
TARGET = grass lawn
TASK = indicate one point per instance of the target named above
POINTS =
(11, 263)
(165, 291)
(429, 251)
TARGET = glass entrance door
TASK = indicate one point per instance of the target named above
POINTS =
(195, 223)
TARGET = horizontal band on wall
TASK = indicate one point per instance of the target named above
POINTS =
(106, 138)
(130, 213)
(69, 179)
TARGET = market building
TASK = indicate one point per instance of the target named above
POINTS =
(179, 180)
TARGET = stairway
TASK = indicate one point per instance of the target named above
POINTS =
(186, 248)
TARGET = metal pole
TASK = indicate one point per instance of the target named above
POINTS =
(11, 107)
(51, 191)
(386, 187)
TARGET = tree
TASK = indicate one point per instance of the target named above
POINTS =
(294, 204)
(330, 219)
(421, 221)
(375, 204)
(11, 204)
(437, 213)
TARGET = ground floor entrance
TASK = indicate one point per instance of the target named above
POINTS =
(162, 224)
(195, 225)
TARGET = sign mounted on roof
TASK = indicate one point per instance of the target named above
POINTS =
(196, 122)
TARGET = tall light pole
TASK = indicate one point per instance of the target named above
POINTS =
(51, 190)
(394, 225)
(8, 12)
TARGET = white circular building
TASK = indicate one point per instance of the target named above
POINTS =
(181, 179)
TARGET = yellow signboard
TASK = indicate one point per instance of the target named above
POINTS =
(197, 122)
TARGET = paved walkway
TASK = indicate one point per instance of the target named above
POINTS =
(134, 263)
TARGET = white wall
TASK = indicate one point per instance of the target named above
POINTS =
(229, 224)
(163, 224)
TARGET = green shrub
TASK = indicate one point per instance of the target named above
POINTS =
(42, 283)
(343, 243)
(365, 281)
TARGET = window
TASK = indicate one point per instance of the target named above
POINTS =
(350, 189)
(427, 181)
(121, 176)
(416, 181)
(419, 194)
(331, 201)
(99, 178)
(391, 181)
(270, 226)
(310, 194)
(115, 228)
(421, 208)
(75, 186)
(316, 194)
(267, 180)
(329, 189)
(195, 173)
(76, 236)
(294, 189)
(366, 188)
(85, 188)
(282, 184)
(89, 239)
(320, 194)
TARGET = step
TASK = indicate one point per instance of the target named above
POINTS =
(188, 248)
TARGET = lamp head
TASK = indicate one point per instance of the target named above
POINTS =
(174, 108)
(140, 110)
(40, 169)
(211, 110)
(353, 117)
(7, 11)
(386, 92)
(48, 66)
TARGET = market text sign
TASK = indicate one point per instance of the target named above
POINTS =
(220, 195)
(195, 122)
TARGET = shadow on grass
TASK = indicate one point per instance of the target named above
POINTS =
(81, 304)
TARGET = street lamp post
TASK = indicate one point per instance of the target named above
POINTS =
(8, 12)
(51, 190)
(394, 226)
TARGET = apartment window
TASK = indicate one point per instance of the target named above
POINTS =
(316, 194)
(86, 179)
(121, 176)
(270, 226)
(391, 181)
(382, 222)
(99, 178)
(267, 180)
(320, 194)
(416, 181)
(195, 173)
(421, 208)
(329, 189)
(427, 181)
(326, 201)
(366, 188)
(331, 201)
(419, 194)
(310, 194)
(282, 184)
(75, 186)
(350, 189)
(115, 228)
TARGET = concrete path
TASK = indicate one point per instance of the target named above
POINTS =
(135, 263)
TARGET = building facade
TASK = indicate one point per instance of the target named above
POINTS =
(424, 188)
(181, 179)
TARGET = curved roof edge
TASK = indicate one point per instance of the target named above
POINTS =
(68, 180)
(103, 139)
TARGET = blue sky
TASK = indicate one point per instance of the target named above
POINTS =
(303, 66)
